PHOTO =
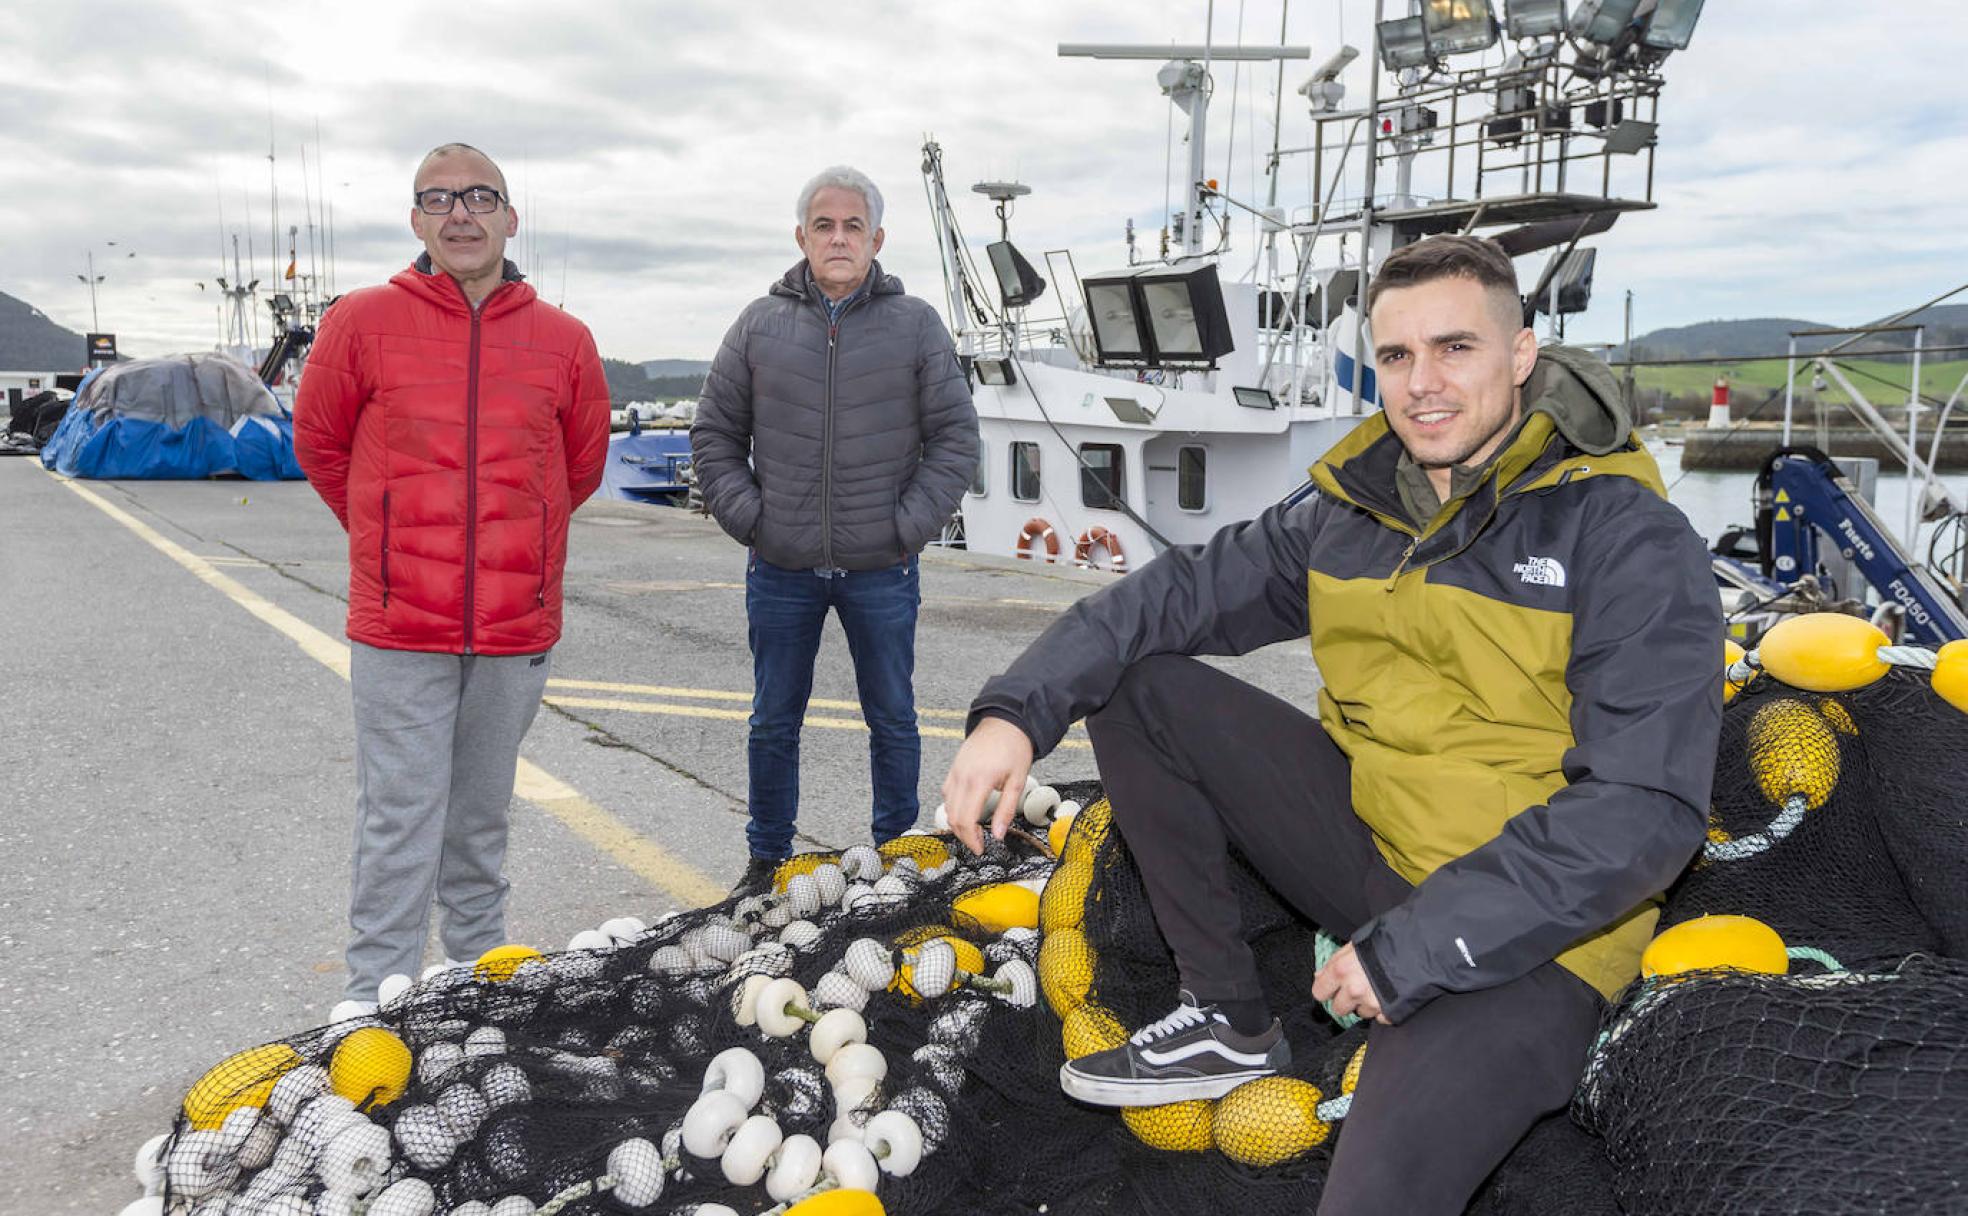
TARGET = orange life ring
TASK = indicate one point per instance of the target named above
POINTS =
(1097, 535)
(1037, 529)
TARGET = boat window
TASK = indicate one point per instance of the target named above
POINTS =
(1100, 475)
(1191, 479)
(1025, 472)
(977, 481)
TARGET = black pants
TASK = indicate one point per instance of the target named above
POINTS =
(1194, 762)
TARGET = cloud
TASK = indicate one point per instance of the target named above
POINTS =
(1806, 161)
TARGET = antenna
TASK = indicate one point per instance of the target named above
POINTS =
(1002, 193)
(1185, 80)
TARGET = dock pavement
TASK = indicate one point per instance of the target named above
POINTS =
(177, 811)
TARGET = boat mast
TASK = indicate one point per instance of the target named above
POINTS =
(1184, 78)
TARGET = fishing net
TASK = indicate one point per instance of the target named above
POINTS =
(1841, 1086)
(576, 1082)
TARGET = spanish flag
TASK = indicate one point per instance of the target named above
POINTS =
(290, 267)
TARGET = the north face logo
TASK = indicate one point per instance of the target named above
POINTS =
(1540, 571)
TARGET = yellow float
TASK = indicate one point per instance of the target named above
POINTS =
(242, 1079)
(1731, 655)
(1090, 1028)
(800, 863)
(1269, 1121)
(1823, 652)
(1176, 1127)
(1951, 674)
(1063, 905)
(839, 1203)
(927, 852)
(499, 963)
(1000, 906)
(1065, 969)
(1793, 752)
(370, 1067)
(1740, 943)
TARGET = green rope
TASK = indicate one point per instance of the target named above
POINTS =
(1324, 946)
(1815, 955)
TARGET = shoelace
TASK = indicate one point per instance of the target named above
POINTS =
(1180, 1019)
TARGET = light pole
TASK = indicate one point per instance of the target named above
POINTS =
(92, 278)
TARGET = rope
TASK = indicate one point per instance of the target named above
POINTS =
(1324, 946)
(1815, 955)
(1908, 656)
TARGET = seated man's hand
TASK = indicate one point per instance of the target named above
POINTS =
(1344, 982)
(995, 756)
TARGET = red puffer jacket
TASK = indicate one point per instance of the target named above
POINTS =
(453, 447)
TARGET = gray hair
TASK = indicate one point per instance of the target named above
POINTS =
(844, 177)
(458, 149)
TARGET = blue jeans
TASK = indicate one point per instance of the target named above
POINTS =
(785, 611)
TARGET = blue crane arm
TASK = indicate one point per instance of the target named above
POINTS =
(1808, 498)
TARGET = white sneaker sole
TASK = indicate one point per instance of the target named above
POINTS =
(1116, 1091)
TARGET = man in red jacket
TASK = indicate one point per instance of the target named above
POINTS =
(452, 420)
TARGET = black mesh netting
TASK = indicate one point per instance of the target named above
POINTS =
(571, 1078)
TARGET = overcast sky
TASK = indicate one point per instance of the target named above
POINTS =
(1813, 169)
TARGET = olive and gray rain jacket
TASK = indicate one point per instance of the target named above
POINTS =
(1528, 688)
(860, 432)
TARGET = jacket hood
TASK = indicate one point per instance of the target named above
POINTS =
(423, 279)
(1577, 389)
(797, 282)
(1572, 406)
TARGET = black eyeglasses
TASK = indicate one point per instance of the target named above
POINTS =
(479, 200)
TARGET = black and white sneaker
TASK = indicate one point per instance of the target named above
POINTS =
(1191, 1053)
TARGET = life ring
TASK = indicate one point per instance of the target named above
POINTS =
(1037, 529)
(1097, 535)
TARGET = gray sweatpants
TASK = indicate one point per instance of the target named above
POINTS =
(436, 746)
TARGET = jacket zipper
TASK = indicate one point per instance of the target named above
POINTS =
(471, 469)
(827, 433)
(1400, 566)
(386, 548)
(541, 595)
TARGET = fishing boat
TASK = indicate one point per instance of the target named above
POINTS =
(1146, 405)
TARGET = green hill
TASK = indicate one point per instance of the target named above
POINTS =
(30, 342)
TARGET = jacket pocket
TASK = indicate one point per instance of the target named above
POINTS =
(546, 556)
(386, 548)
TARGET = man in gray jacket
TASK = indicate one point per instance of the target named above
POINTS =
(846, 396)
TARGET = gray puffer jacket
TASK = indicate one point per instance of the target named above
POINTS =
(861, 435)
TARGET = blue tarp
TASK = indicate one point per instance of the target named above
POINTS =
(187, 416)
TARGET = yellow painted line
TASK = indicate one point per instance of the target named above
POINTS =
(613, 837)
(741, 715)
(588, 821)
(716, 694)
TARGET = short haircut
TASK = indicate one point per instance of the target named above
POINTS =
(1448, 257)
(844, 177)
(454, 149)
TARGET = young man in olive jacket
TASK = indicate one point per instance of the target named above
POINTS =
(1520, 642)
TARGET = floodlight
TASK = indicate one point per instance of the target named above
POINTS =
(1605, 112)
(1533, 18)
(1118, 333)
(1159, 315)
(1254, 398)
(1457, 27)
(1602, 21)
(1018, 283)
(1186, 315)
(1570, 273)
(1630, 136)
(1404, 43)
(995, 372)
(1672, 24)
